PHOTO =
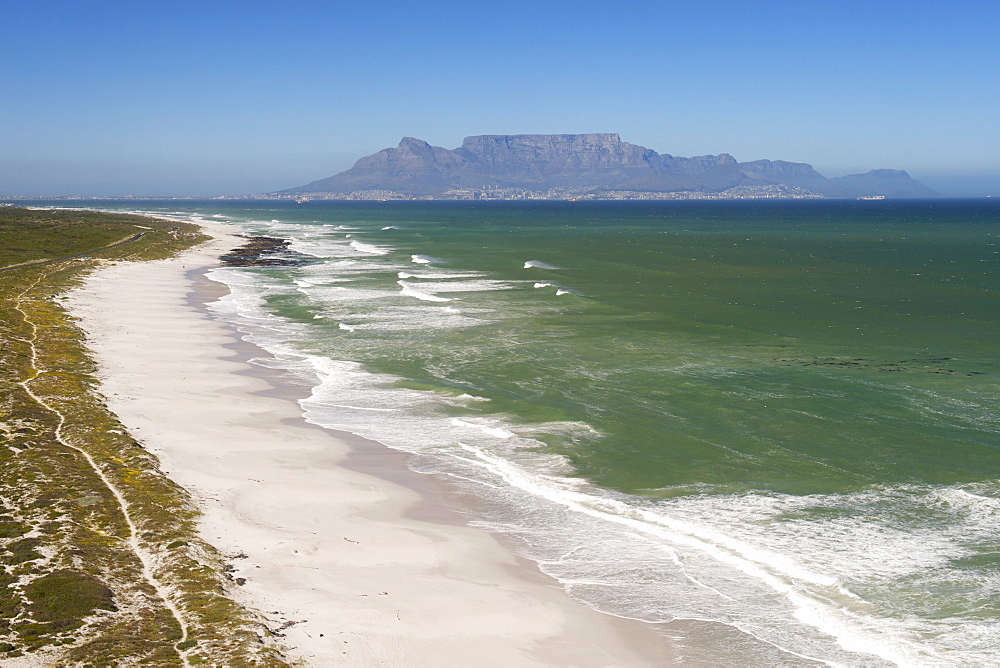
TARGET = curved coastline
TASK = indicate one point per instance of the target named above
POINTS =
(350, 555)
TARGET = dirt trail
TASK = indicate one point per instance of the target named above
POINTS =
(147, 558)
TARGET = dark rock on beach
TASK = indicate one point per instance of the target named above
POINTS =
(261, 251)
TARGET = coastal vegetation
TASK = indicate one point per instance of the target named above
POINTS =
(100, 561)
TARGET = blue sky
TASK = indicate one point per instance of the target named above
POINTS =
(207, 98)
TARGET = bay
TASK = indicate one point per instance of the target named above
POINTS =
(773, 417)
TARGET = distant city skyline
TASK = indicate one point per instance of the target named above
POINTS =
(223, 98)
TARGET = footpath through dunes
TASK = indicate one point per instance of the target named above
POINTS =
(100, 562)
(84, 254)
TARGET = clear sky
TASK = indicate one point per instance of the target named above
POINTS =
(206, 98)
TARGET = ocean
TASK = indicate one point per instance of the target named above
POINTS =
(771, 425)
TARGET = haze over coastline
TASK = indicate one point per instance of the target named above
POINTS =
(590, 166)
(668, 334)
(199, 100)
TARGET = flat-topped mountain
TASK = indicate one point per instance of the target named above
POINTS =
(595, 162)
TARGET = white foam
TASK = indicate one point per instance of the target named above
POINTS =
(472, 397)
(463, 286)
(369, 248)
(497, 432)
(816, 599)
(363, 408)
(445, 274)
(546, 285)
(538, 264)
(411, 291)
(975, 507)
(333, 295)
(327, 247)
(425, 259)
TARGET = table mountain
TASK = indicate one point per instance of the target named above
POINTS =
(598, 161)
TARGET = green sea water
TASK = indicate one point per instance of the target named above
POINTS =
(777, 417)
(798, 348)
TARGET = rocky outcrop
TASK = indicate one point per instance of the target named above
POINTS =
(414, 167)
(788, 173)
(554, 160)
(596, 161)
(262, 251)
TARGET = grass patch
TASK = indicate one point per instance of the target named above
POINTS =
(64, 595)
(23, 550)
(11, 529)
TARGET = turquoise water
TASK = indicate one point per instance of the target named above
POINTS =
(778, 416)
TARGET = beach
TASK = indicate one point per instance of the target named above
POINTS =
(353, 568)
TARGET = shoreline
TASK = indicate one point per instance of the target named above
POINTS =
(356, 558)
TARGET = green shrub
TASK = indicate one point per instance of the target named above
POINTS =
(66, 594)
(23, 550)
(12, 529)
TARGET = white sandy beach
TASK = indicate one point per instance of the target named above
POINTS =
(339, 552)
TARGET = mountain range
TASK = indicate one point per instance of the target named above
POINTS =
(597, 162)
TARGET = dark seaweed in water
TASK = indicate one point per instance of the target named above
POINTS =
(929, 365)
(258, 251)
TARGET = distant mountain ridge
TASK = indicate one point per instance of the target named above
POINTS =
(597, 161)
